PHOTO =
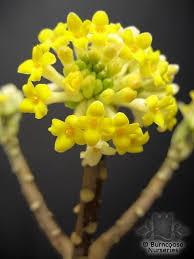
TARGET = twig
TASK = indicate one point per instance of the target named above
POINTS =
(100, 248)
(86, 224)
(35, 200)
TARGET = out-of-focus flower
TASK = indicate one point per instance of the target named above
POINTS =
(93, 154)
(10, 98)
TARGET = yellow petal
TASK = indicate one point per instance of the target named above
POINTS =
(159, 119)
(27, 106)
(45, 35)
(144, 40)
(148, 119)
(107, 129)
(79, 138)
(96, 109)
(100, 18)
(65, 55)
(121, 142)
(57, 128)
(29, 89)
(132, 127)
(40, 110)
(48, 59)
(36, 74)
(92, 137)
(135, 149)
(63, 143)
(26, 67)
(43, 92)
(60, 29)
(120, 119)
(37, 53)
(152, 100)
(73, 22)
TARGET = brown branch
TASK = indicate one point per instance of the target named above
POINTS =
(100, 248)
(89, 201)
(35, 200)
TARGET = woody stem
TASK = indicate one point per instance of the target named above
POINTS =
(86, 222)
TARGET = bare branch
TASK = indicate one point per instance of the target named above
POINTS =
(86, 224)
(35, 200)
(100, 248)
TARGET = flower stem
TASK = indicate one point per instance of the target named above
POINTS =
(86, 223)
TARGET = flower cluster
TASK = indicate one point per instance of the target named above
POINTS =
(10, 98)
(188, 112)
(106, 65)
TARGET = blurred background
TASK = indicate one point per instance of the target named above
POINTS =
(59, 175)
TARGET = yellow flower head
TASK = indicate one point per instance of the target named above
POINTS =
(104, 67)
(93, 124)
(35, 66)
(35, 99)
(72, 82)
(67, 132)
(161, 112)
(128, 137)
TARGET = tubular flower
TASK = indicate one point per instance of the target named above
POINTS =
(92, 155)
(105, 67)
(68, 133)
(35, 99)
(40, 59)
(55, 38)
(128, 137)
(187, 111)
(95, 126)
(161, 112)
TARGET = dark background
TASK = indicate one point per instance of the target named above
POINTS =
(59, 175)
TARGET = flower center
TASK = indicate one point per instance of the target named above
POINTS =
(35, 99)
(69, 131)
(119, 131)
(132, 140)
(95, 149)
(93, 122)
(155, 109)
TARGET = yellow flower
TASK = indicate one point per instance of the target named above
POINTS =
(162, 112)
(136, 43)
(128, 137)
(95, 126)
(34, 67)
(100, 28)
(35, 99)
(100, 21)
(78, 29)
(56, 38)
(72, 82)
(67, 132)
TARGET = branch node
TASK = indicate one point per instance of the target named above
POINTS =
(76, 209)
(86, 195)
(35, 205)
(56, 232)
(139, 212)
(28, 178)
(162, 176)
(91, 228)
(103, 174)
(75, 238)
